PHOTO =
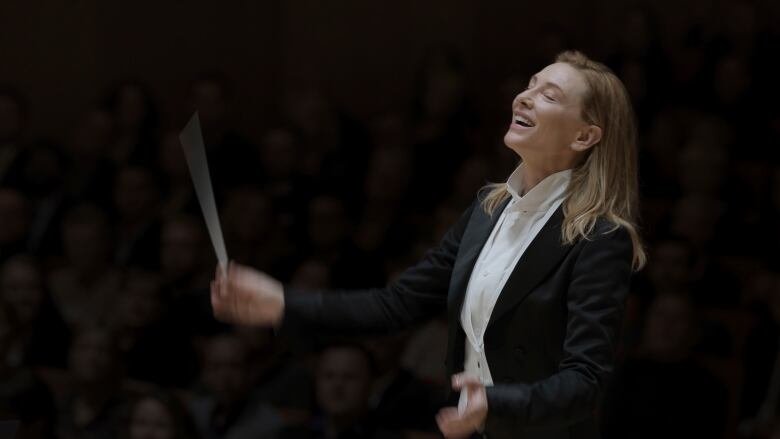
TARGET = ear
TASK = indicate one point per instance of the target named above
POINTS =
(588, 136)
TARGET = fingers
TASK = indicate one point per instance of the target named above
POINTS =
(461, 380)
(451, 424)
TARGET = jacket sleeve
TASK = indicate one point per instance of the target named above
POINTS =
(417, 293)
(595, 300)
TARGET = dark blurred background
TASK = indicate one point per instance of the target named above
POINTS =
(344, 138)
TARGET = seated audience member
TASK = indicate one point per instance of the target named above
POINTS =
(23, 396)
(15, 217)
(663, 391)
(41, 337)
(225, 408)
(84, 287)
(155, 347)
(183, 256)
(94, 403)
(399, 401)
(136, 204)
(159, 415)
(343, 382)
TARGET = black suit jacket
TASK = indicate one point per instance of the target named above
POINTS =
(551, 338)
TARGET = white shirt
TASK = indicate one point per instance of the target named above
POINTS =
(517, 226)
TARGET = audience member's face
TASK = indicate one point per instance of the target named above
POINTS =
(668, 328)
(732, 79)
(6, 334)
(388, 174)
(135, 193)
(92, 358)
(343, 382)
(86, 244)
(443, 94)
(10, 118)
(671, 262)
(225, 369)
(278, 153)
(93, 134)
(22, 288)
(151, 420)
(327, 222)
(14, 216)
(311, 275)
(180, 251)
(696, 218)
(171, 156)
(43, 170)
(140, 304)
(248, 215)
(554, 112)
(701, 168)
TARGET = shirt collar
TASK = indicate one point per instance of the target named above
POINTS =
(541, 196)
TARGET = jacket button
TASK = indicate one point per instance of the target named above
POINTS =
(506, 379)
(520, 351)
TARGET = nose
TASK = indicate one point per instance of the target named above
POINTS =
(524, 101)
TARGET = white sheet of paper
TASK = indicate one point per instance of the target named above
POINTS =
(191, 139)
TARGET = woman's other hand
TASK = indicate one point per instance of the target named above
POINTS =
(461, 425)
(246, 296)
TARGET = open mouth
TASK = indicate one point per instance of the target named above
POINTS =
(523, 121)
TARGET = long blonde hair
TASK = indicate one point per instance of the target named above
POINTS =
(605, 184)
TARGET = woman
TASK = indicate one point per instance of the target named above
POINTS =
(159, 415)
(533, 275)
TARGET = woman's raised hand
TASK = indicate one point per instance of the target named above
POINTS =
(246, 296)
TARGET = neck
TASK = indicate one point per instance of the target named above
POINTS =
(532, 175)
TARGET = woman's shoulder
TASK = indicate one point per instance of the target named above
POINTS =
(605, 228)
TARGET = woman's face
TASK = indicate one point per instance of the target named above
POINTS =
(22, 287)
(546, 117)
(151, 420)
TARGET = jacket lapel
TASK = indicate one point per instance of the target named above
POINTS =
(541, 256)
(471, 245)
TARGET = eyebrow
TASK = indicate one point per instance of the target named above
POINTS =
(548, 84)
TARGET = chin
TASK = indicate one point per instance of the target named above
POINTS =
(516, 143)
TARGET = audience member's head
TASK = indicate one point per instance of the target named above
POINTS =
(247, 215)
(7, 333)
(224, 369)
(43, 168)
(86, 238)
(311, 275)
(702, 168)
(278, 153)
(388, 175)
(136, 193)
(93, 359)
(132, 105)
(140, 303)
(15, 215)
(670, 270)
(327, 222)
(22, 288)
(343, 381)
(210, 97)
(159, 416)
(669, 331)
(93, 136)
(182, 245)
(696, 218)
